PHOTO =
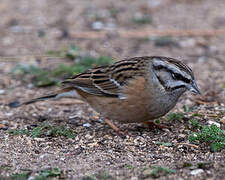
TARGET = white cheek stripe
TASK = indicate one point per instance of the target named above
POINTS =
(172, 68)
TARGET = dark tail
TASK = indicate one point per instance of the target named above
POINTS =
(55, 95)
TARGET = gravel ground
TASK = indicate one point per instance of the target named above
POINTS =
(30, 28)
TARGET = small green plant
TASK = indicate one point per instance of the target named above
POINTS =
(175, 116)
(44, 130)
(187, 165)
(164, 41)
(195, 124)
(157, 171)
(73, 52)
(89, 177)
(42, 77)
(188, 109)
(18, 131)
(5, 167)
(102, 175)
(85, 63)
(143, 19)
(20, 176)
(45, 174)
(41, 175)
(211, 135)
(157, 121)
(196, 115)
(197, 165)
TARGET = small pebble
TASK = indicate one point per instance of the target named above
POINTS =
(187, 43)
(9, 114)
(196, 172)
(30, 85)
(100, 120)
(215, 123)
(2, 91)
(180, 178)
(31, 178)
(97, 25)
(87, 125)
(5, 128)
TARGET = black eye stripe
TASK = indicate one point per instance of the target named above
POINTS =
(176, 76)
(180, 77)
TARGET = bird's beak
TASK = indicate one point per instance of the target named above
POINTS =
(194, 88)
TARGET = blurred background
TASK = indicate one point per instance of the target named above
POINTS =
(45, 41)
(190, 30)
(48, 33)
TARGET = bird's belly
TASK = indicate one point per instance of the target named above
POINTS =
(130, 110)
(161, 106)
(123, 112)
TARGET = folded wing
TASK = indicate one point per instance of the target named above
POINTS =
(107, 80)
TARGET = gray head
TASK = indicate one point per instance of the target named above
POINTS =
(174, 76)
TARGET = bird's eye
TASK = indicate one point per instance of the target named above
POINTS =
(180, 77)
(174, 76)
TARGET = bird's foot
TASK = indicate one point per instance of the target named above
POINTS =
(116, 129)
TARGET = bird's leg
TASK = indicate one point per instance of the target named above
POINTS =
(115, 128)
(154, 125)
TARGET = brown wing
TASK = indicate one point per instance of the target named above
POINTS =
(108, 80)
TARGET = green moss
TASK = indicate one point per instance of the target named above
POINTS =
(44, 130)
(18, 131)
(73, 52)
(164, 41)
(42, 175)
(45, 174)
(20, 176)
(157, 171)
(101, 175)
(211, 135)
(194, 123)
(42, 77)
(175, 116)
(143, 19)
(188, 109)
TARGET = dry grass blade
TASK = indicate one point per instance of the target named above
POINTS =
(187, 144)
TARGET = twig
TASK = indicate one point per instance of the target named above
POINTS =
(148, 33)
(191, 145)
(132, 34)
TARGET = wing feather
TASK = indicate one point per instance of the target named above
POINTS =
(108, 80)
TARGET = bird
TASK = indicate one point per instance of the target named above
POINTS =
(133, 90)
